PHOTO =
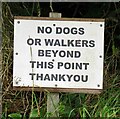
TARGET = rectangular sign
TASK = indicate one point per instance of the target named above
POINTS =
(58, 53)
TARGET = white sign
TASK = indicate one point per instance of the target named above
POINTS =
(58, 53)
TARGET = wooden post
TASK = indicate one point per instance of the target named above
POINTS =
(53, 98)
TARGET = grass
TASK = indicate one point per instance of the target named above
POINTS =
(17, 104)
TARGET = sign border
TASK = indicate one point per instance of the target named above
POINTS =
(60, 19)
(71, 90)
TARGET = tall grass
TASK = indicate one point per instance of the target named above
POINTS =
(17, 104)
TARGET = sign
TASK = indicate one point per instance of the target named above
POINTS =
(58, 53)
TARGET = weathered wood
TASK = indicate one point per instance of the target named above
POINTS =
(69, 90)
(53, 98)
(61, 19)
(55, 15)
(52, 104)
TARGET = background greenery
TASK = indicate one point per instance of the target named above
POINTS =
(21, 104)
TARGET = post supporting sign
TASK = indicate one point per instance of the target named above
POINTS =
(58, 54)
(53, 98)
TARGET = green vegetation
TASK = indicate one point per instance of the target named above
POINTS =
(27, 104)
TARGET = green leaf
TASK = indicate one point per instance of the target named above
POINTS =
(15, 116)
(34, 113)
